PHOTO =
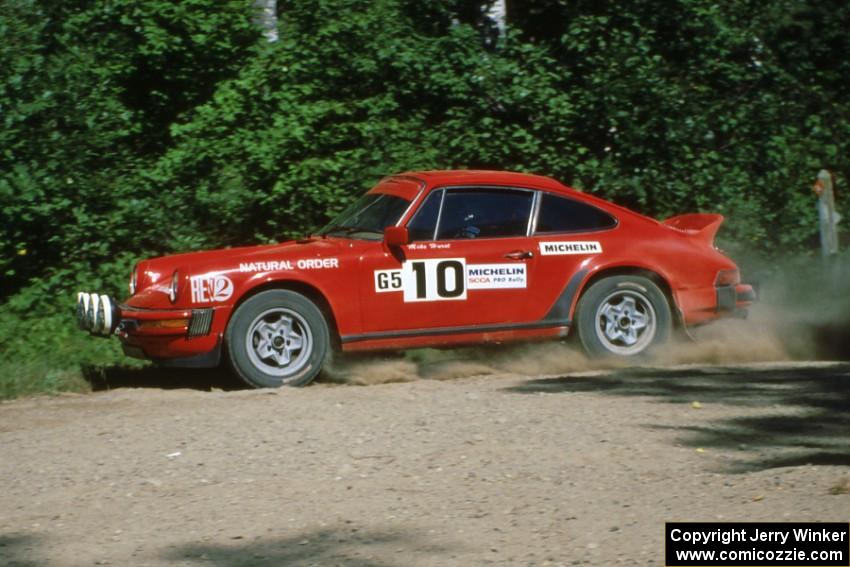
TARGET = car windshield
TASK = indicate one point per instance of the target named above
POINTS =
(368, 216)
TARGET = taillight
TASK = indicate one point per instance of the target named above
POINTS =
(727, 277)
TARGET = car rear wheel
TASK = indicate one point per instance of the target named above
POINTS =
(277, 338)
(623, 316)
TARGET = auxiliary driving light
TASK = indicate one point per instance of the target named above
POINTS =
(107, 308)
(91, 312)
(99, 322)
(82, 307)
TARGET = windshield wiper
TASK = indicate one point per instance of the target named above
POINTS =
(328, 229)
(351, 229)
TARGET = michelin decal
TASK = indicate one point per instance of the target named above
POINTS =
(448, 278)
(496, 276)
(570, 248)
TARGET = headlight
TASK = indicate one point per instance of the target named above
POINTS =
(134, 279)
(175, 282)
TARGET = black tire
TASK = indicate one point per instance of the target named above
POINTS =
(623, 316)
(272, 327)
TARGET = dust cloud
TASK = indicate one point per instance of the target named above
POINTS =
(803, 313)
(450, 364)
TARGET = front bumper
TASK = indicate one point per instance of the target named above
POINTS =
(209, 359)
(174, 337)
(159, 323)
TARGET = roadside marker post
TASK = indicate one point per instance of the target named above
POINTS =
(829, 219)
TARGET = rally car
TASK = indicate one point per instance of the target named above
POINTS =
(429, 259)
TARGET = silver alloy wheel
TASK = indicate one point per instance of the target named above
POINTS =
(625, 322)
(279, 342)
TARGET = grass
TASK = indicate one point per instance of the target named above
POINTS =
(841, 487)
(27, 379)
(46, 354)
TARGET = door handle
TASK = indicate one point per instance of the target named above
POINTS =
(520, 255)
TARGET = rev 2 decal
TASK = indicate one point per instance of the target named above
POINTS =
(211, 287)
(448, 278)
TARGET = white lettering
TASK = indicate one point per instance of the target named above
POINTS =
(271, 266)
(281, 265)
(210, 287)
(568, 248)
(318, 264)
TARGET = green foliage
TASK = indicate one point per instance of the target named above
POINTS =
(139, 127)
(342, 100)
(87, 91)
(699, 105)
(18, 378)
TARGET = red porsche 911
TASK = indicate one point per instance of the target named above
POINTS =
(429, 259)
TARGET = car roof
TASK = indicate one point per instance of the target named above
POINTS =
(448, 177)
(485, 177)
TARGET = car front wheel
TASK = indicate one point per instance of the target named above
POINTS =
(623, 316)
(277, 338)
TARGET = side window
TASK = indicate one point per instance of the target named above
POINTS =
(424, 222)
(559, 214)
(484, 213)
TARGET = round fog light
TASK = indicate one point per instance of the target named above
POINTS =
(91, 312)
(98, 320)
(82, 301)
(86, 309)
(106, 308)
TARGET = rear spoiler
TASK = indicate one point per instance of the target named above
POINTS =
(703, 226)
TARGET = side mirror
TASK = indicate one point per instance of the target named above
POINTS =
(396, 236)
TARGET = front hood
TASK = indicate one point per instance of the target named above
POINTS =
(155, 274)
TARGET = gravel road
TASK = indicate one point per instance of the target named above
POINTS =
(572, 469)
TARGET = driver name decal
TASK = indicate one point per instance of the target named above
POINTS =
(211, 287)
(569, 248)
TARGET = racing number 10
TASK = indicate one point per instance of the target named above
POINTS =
(449, 276)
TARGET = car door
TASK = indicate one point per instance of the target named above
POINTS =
(468, 264)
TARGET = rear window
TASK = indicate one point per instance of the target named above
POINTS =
(560, 214)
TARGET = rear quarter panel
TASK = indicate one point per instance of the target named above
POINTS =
(688, 266)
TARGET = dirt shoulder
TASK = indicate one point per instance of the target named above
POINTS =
(563, 470)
